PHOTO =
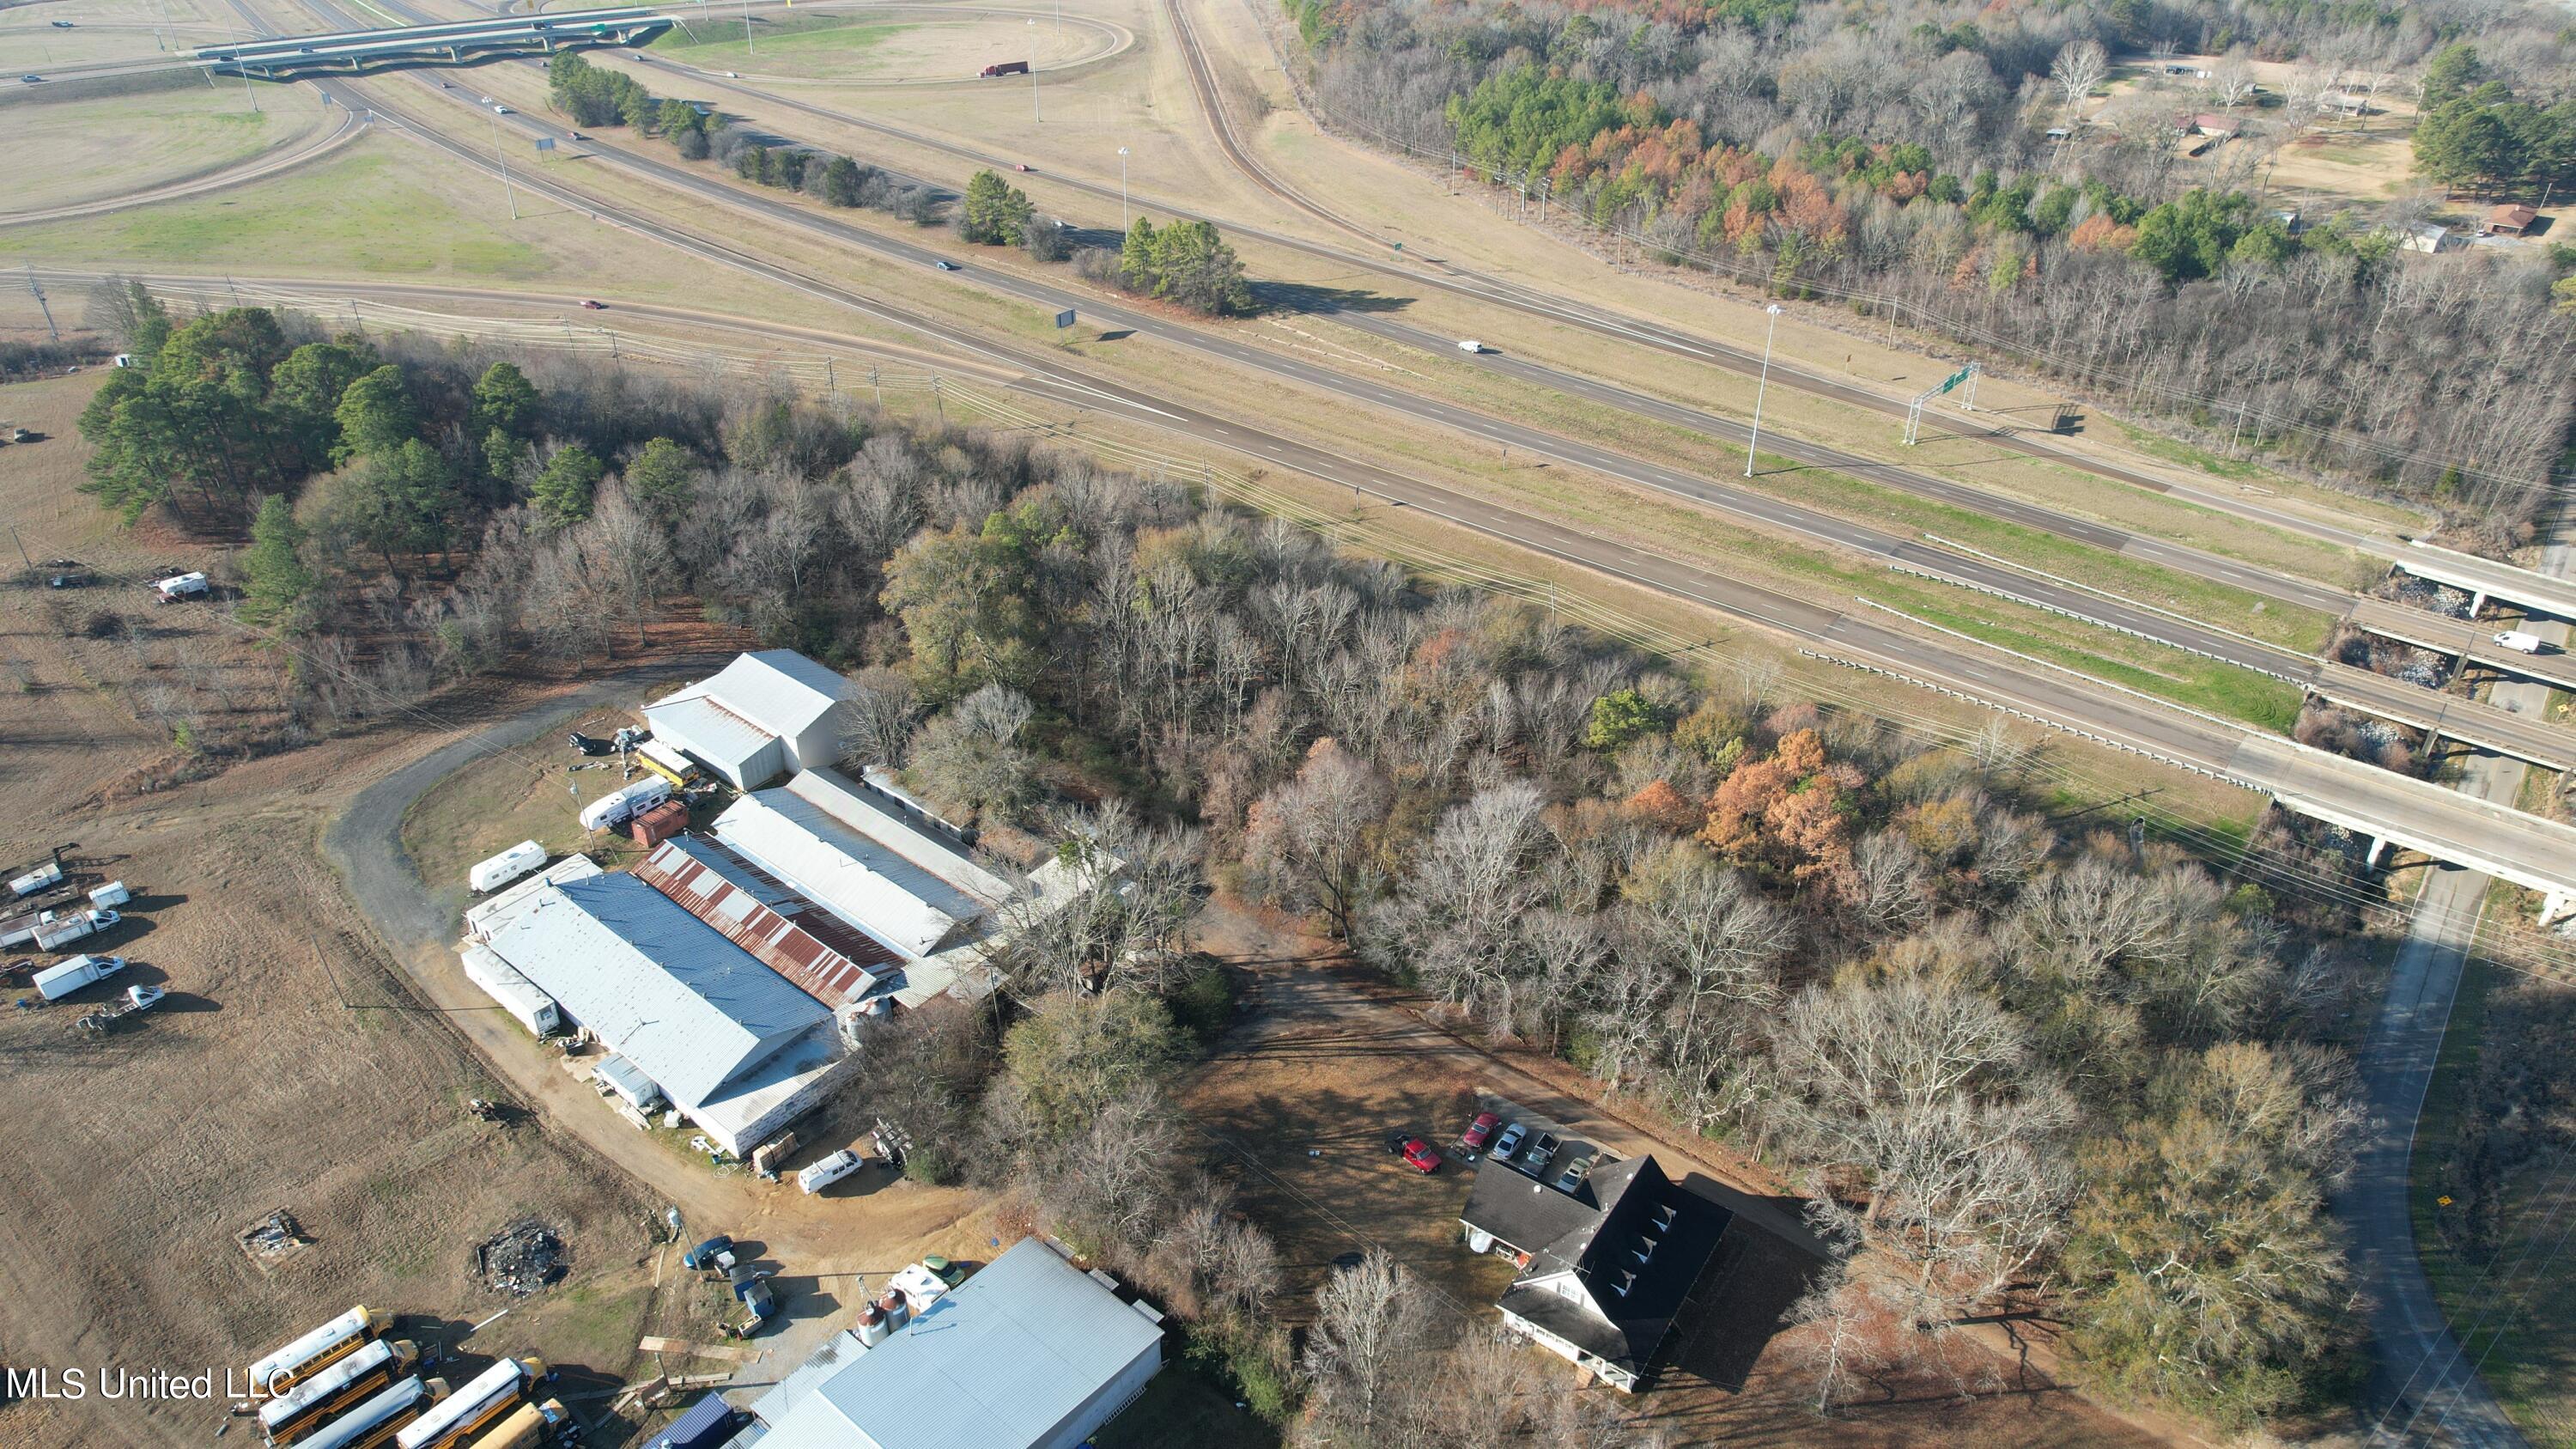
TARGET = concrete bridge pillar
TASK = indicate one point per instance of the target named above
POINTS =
(2378, 849)
(2558, 907)
(2477, 603)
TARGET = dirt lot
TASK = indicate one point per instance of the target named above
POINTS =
(296, 1065)
(1321, 1065)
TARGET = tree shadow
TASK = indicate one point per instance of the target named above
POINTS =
(1274, 296)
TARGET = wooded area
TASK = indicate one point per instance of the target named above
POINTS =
(2022, 1066)
(1938, 167)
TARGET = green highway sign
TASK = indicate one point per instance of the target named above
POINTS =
(1956, 378)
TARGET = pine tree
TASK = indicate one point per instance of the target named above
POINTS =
(274, 577)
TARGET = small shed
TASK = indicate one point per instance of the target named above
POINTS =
(2213, 125)
(660, 823)
(708, 1423)
(2424, 236)
(629, 1082)
(2514, 219)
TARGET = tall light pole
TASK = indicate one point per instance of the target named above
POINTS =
(1034, 117)
(1123, 223)
(248, 91)
(747, 47)
(501, 154)
(1755, 437)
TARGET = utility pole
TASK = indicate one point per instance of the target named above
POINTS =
(248, 91)
(52, 331)
(1034, 117)
(747, 47)
(1754, 438)
(1123, 223)
(503, 156)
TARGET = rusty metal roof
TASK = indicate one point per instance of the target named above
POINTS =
(829, 960)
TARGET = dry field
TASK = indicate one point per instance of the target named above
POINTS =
(92, 149)
(298, 1063)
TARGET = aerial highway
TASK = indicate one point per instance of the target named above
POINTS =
(2466, 720)
(2408, 812)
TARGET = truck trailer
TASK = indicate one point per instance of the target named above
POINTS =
(321, 1348)
(43, 878)
(53, 930)
(1008, 67)
(506, 867)
(612, 809)
(56, 982)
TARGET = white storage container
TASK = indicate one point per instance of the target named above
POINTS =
(48, 874)
(113, 893)
(57, 982)
(508, 866)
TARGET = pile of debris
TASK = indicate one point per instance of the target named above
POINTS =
(2424, 594)
(522, 1258)
(272, 1237)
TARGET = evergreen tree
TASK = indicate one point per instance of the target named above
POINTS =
(275, 579)
(375, 415)
(563, 492)
(995, 212)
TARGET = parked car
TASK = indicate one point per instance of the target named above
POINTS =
(1575, 1172)
(590, 744)
(704, 1254)
(1480, 1131)
(828, 1171)
(1419, 1156)
(1509, 1142)
(1539, 1153)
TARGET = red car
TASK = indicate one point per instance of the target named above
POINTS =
(1419, 1156)
(1479, 1131)
(589, 305)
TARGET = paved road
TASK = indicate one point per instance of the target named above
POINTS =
(2421, 1384)
(2394, 699)
(2410, 812)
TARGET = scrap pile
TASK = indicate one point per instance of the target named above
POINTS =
(521, 1259)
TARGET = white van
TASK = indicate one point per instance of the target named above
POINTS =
(830, 1170)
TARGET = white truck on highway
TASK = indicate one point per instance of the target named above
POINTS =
(56, 982)
(2519, 642)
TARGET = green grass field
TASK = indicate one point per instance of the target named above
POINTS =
(362, 213)
(827, 47)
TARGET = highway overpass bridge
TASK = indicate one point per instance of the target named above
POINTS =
(453, 42)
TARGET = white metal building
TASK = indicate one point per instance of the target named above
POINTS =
(860, 855)
(1030, 1353)
(733, 1044)
(762, 716)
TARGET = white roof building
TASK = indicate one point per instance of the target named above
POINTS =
(1030, 1353)
(760, 717)
(734, 1045)
(860, 855)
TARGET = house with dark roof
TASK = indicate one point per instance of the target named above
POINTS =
(1603, 1269)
